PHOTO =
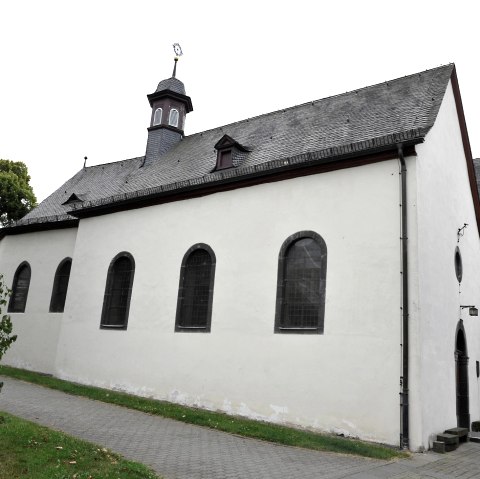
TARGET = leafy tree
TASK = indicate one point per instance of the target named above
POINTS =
(16, 194)
(6, 336)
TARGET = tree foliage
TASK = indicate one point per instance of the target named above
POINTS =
(6, 327)
(16, 195)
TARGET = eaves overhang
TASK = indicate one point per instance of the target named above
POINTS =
(38, 224)
(169, 93)
(346, 156)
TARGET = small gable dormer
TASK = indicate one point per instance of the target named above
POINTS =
(74, 199)
(230, 153)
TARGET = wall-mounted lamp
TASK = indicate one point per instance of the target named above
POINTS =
(472, 310)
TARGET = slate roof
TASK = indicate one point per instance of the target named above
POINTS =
(173, 84)
(357, 121)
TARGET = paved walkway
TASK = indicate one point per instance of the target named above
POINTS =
(180, 451)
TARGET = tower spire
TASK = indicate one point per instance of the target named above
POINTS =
(174, 74)
(170, 105)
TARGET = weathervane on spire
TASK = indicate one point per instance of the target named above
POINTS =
(178, 53)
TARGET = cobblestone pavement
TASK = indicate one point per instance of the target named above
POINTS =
(181, 451)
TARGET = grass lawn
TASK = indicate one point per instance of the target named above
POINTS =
(35, 452)
(215, 420)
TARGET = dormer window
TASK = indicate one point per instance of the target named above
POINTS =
(230, 153)
(173, 119)
(157, 117)
(224, 159)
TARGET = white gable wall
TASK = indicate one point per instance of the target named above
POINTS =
(444, 205)
(345, 380)
(37, 329)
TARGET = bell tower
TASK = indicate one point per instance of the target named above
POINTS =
(170, 105)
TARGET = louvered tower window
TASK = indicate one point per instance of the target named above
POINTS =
(194, 308)
(301, 284)
(20, 286)
(116, 302)
(157, 117)
(173, 118)
(60, 286)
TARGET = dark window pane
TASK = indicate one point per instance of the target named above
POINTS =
(458, 265)
(302, 272)
(60, 287)
(21, 283)
(224, 159)
(118, 291)
(195, 294)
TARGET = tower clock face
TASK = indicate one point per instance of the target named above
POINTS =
(177, 49)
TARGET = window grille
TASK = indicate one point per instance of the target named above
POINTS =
(194, 307)
(118, 291)
(60, 286)
(21, 284)
(301, 284)
(157, 117)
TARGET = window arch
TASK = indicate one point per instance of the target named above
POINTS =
(118, 290)
(60, 286)
(302, 272)
(195, 292)
(157, 116)
(173, 118)
(20, 286)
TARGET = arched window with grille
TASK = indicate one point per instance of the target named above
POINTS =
(173, 118)
(60, 286)
(118, 290)
(302, 272)
(157, 116)
(20, 286)
(195, 295)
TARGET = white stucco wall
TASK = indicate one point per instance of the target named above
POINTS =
(37, 329)
(444, 205)
(346, 380)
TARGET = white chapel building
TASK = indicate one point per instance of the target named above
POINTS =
(308, 267)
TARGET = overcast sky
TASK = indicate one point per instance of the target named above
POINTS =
(74, 75)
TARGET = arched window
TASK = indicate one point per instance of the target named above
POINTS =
(157, 117)
(173, 118)
(302, 272)
(118, 290)
(21, 283)
(195, 295)
(60, 286)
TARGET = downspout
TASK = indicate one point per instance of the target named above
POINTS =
(404, 429)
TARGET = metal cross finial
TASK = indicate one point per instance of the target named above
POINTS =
(178, 53)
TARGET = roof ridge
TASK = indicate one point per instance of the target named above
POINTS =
(283, 110)
(112, 163)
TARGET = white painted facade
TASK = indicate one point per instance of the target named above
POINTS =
(444, 205)
(37, 329)
(242, 367)
(346, 380)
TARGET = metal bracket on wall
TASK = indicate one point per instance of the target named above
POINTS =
(461, 232)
